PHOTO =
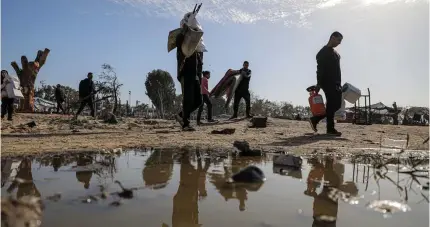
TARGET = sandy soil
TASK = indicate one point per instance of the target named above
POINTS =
(55, 133)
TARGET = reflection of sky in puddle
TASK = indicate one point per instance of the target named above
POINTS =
(195, 193)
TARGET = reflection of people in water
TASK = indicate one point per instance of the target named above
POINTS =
(324, 208)
(158, 169)
(202, 176)
(185, 202)
(27, 187)
(57, 162)
(84, 176)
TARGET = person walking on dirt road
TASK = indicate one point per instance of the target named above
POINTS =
(242, 91)
(206, 99)
(329, 80)
(86, 94)
(59, 97)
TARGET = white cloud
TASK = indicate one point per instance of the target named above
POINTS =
(249, 11)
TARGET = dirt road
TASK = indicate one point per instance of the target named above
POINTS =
(55, 133)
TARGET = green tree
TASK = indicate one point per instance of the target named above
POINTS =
(160, 89)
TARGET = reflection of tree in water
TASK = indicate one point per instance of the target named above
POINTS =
(27, 187)
(191, 187)
(237, 191)
(158, 168)
(84, 176)
(324, 208)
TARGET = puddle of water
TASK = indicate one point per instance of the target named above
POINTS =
(189, 189)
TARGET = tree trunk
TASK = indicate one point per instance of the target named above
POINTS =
(27, 76)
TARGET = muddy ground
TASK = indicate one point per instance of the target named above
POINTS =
(57, 133)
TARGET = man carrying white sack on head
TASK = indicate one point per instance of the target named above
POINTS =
(189, 71)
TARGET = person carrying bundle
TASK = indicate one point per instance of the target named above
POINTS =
(329, 80)
(242, 91)
(188, 70)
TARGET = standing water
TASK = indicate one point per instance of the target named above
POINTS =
(165, 188)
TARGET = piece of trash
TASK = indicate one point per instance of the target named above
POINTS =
(287, 160)
(31, 124)
(226, 131)
(425, 187)
(126, 193)
(388, 206)
(56, 197)
(86, 200)
(115, 203)
(258, 122)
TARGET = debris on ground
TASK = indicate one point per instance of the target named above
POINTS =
(245, 150)
(287, 160)
(226, 131)
(258, 122)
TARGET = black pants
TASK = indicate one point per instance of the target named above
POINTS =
(192, 97)
(207, 101)
(60, 106)
(7, 106)
(333, 95)
(89, 102)
(237, 97)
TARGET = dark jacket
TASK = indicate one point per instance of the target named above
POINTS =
(328, 67)
(59, 94)
(190, 65)
(86, 86)
(244, 83)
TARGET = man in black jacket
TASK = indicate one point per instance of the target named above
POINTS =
(242, 91)
(329, 80)
(190, 82)
(59, 96)
(86, 94)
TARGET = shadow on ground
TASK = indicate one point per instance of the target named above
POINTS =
(304, 139)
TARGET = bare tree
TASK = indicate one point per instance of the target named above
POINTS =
(109, 85)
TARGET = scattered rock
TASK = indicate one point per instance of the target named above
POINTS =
(249, 174)
(226, 131)
(258, 122)
(287, 160)
(245, 150)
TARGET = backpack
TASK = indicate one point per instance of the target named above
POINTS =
(82, 88)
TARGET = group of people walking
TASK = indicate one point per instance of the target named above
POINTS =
(194, 81)
(194, 86)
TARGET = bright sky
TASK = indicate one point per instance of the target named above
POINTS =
(385, 46)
